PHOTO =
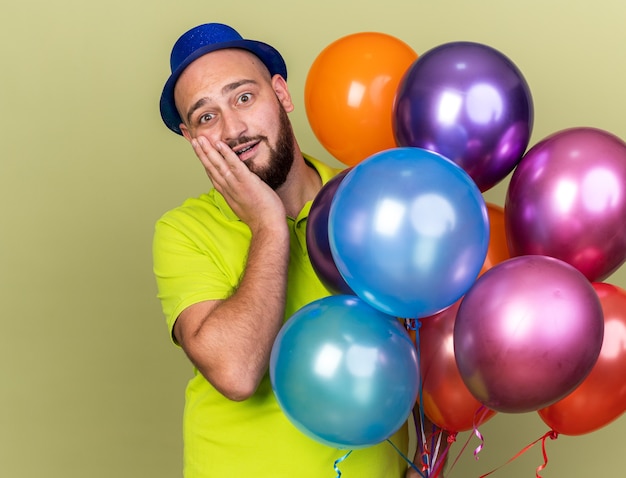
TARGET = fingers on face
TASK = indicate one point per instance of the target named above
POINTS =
(218, 160)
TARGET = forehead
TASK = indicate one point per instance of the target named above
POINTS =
(221, 67)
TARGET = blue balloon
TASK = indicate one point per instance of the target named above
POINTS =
(344, 373)
(408, 231)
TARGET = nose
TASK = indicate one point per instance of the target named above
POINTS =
(233, 124)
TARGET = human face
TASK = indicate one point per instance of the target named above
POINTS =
(228, 95)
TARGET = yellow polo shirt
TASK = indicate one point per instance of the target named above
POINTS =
(199, 253)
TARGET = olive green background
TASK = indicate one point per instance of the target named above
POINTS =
(90, 384)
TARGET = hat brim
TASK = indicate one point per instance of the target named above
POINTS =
(267, 54)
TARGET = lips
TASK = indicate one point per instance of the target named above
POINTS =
(246, 151)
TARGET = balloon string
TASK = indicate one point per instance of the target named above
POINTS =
(411, 464)
(551, 434)
(482, 443)
(339, 460)
(438, 463)
(423, 444)
(435, 447)
(479, 416)
(428, 461)
(413, 325)
(452, 438)
(428, 458)
(410, 324)
(428, 453)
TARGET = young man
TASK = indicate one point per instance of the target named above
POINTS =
(232, 264)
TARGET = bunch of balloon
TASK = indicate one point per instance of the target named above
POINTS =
(527, 333)
(567, 199)
(349, 92)
(408, 231)
(318, 244)
(444, 398)
(470, 103)
(601, 397)
(344, 373)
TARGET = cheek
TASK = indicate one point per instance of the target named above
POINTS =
(211, 134)
(273, 126)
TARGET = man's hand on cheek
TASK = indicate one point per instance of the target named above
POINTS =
(251, 199)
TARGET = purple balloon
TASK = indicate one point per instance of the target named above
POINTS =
(527, 333)
(567, 199)
(318, 245)
(469, 103)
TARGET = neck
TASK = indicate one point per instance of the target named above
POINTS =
(302, 185)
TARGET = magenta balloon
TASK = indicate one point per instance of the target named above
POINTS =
(470, 103)
(567, 199)
(527, 333)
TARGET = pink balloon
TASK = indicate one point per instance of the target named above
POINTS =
(567, 199)
(527, 333)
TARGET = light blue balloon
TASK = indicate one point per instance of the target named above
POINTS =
(344, 373)
(408, 231)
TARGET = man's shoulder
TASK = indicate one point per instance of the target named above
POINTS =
(200, 208)
(325, 170)
(203, 223)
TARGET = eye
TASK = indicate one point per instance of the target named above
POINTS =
(244, 98)
(205, 118)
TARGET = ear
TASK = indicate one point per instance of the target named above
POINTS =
(279, 84)
(185, 131)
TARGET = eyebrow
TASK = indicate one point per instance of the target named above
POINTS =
(225, 90)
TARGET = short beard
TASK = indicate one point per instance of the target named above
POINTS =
(275, 173)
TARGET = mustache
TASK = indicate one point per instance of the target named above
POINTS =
(245, 139)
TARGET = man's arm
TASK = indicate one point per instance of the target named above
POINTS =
(230, 341)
